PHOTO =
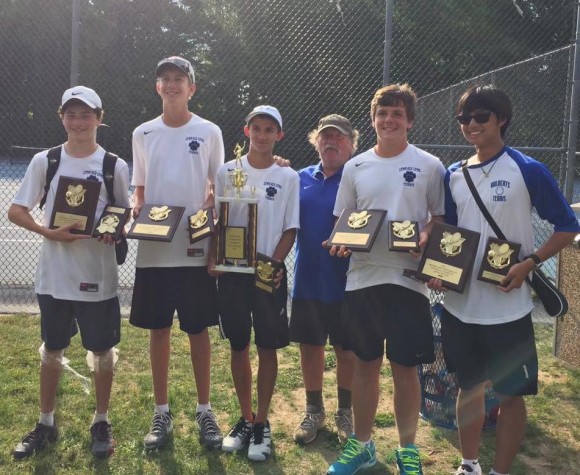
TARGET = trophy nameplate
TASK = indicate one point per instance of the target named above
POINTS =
(112, 222)
(76, 201)
(497, 260)
(236, 245)
(357, 229)
(156, 222)
(449, 256)
(200, 225)
(266, 270)
(403, 236)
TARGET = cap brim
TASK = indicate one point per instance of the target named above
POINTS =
(342, 130)
(92, 105)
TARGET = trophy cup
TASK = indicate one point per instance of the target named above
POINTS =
(236, 245)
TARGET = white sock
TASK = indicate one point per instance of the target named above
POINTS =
(203, 407)
(493, 472)
(161, 409)
(100, 417)
(470, 463)
(47, 418)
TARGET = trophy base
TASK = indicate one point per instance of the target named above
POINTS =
(238, 269)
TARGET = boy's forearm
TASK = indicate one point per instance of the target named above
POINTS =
(20, 216)
(284, 245)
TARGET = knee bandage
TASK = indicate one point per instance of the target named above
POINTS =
(102, 362)
(50, 358)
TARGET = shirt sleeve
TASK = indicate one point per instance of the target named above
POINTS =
(31, 189)
(346, 195)
(138, 159)
(217, 155)
(292, 213)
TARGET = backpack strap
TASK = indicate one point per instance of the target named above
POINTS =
(109, 175)
(53, 163)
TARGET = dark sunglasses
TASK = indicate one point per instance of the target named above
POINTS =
(480, 117)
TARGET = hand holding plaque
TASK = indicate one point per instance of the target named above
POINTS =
(112, 222)
(356, 229)
(404, 236)
(449, 256)
(200, 225)
(156, 223)
(266, 270)
(75, 202)
(499, 257)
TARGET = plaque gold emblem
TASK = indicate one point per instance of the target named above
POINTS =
(159, 213)
(265, 271)
(498, 255)
(404, 230)
(359, 220)
(75, 195)
(199, 219)
(451, 243)
(108, 224)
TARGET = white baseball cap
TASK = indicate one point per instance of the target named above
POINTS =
(265, 110)
(83, 94)
(180, 63)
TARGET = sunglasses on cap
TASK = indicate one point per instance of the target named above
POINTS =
(479, 117)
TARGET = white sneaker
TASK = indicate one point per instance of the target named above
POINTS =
(238, 437)
(260, 442)
(467, 470)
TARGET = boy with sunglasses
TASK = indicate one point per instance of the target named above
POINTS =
(487, 331)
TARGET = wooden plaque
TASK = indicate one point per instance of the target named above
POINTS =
(357, 229)
(156, 223)
(499, 257)
(75, 202)
(266, 270)
(200, 225)
(404, 236)
(112, 221)
(449, 256)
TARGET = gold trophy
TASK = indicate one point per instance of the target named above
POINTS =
(236, 245)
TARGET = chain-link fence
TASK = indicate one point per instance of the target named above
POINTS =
(309, 58)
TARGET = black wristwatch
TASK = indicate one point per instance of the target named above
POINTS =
(535, 258)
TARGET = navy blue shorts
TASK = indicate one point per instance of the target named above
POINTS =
(313, 322)
(99, 322)
(159, 292)
(393, 313)
(504, 353)
(242, 305)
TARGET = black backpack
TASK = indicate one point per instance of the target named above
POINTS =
(121, 247)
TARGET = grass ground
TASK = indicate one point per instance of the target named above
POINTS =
(552, 444)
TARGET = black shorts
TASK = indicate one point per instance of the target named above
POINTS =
(393, 313)
(159, 292)
(242, 304)
(99, 322)
(313, 322)
(504, 353)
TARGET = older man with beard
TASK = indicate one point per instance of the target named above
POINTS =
(319, 279)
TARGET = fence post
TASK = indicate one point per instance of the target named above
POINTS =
(388, 41)
(573, 119)
(75, 38)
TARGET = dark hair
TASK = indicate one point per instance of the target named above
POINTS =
(395, 95)
(490, 98)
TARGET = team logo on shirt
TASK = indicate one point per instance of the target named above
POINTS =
(409, 175)
(499, 188)
(271, 190)
(193, 144)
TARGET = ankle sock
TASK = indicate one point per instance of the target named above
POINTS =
(100, 417)
(161, 409)
(203, 407)
(314, 398)
(344, 398)
(47, 418)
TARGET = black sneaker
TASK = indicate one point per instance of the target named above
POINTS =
(210, 434)
(35, 441)
(102, 442)
(161, 429)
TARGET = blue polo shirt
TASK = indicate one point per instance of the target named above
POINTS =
(317, 275)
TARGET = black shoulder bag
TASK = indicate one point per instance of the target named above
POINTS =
(552, 299)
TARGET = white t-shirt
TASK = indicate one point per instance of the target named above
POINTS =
(408, 186)
(83, 270)
(176, 165)
(277, 190)
(516, 184)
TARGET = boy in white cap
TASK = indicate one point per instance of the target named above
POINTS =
(241, 304)
(76, 280)
(175, 160)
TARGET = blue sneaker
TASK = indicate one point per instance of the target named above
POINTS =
(409, 461)
(353, 458)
